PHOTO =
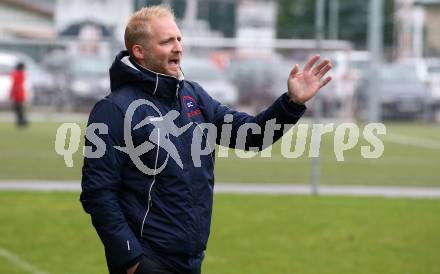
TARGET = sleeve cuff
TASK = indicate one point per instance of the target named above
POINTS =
(292, 107)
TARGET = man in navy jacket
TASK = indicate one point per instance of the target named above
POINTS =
(152, 209)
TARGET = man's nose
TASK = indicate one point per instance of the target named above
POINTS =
(178, 47)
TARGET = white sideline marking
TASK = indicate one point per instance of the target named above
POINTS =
(14, 259)
(262, 188)
(333, 190)
(41, 185)
(413, 141)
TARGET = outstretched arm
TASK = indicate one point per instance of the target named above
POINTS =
(286, 110)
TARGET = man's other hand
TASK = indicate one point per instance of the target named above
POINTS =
(302, 86)
(133, 269)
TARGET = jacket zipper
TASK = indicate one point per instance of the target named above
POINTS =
(177, 91)
(176, 99)
(150, 200)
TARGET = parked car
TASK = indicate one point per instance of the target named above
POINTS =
(428, 70)
(89, 77)
(260, 77)
(39, 82)
(401, 93)
(432, 66)
(83, 80)
(211, 78)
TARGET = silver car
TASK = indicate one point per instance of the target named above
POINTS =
(83, 79)
(402, 94)
(211, 78)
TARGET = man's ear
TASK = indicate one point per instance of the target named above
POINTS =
(138, 52)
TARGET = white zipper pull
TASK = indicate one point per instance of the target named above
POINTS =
(177, 89)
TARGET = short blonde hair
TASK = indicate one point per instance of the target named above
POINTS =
(137, 29)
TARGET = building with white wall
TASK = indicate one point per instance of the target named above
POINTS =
(26, 19)
(418, 28)
(111, 13)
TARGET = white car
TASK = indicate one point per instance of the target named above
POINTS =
(211, 78)
(428, 70)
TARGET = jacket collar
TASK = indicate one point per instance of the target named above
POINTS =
(157, 84)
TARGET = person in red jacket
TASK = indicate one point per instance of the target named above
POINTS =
(18, 93)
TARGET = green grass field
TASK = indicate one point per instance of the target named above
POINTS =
(29, 154)
(250, 234)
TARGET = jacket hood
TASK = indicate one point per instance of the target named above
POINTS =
(125, 71)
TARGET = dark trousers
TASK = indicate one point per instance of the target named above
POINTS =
(20, 114)
(151, 266)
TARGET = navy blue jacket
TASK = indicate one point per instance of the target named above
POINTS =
(167, 215)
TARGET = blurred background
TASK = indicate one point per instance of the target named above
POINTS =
(386, 57)
(241, 51)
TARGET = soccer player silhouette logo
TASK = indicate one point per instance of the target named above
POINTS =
(164, 127)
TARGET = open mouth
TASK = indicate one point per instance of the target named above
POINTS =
(174, 62)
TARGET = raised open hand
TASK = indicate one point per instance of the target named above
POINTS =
(302, 86)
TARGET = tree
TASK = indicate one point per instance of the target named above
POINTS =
(296, 19)
(220, 14)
